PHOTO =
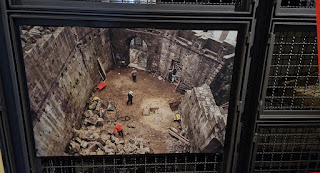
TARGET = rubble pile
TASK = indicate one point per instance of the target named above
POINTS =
(30, 34)
(89, 141)
(178, 145)
(93, 138)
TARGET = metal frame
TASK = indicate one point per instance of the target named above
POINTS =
(294, 12)
(284, 114)
(107, 19)
(305, 12)
(255, 20)
(94, 7)
(276, 125)
(287, 20)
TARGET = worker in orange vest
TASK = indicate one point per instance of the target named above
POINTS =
(117, 128)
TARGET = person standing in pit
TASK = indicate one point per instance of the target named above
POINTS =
(174, 72)
(117, 128)
(130, 97)
(170, 75)
(134, 74)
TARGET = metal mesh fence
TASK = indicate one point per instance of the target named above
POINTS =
(201, 2)
(298, 4)
(293, 80)
(195, 2)
(287, 149)
(137, 163)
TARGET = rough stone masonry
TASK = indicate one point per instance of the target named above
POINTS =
(202, 120)
(62, 70)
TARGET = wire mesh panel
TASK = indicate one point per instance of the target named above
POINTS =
(203, 2)
(138, 163)
(298, 4)
(293, 79)
(195, 2)
(122, 1)
(287, 149)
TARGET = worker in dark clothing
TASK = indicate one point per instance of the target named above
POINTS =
(130, 96)
(174, 72)
(134, 75)
(117, 128)
(170, 75)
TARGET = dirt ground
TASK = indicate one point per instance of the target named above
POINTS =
(148, 92)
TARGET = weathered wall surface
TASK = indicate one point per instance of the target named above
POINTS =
(138, 53)
(62, 69)
(202, 120)
(200, 56)
(221, 84)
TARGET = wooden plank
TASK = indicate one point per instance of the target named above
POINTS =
(100, 64)
(178, 137)
(181, 138)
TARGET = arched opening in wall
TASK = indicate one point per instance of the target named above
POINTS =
(138, 53)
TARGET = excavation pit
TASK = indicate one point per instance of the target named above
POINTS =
(64, 66)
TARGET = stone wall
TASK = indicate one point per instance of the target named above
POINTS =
(200, 56)
(62, 70)
(202, 120)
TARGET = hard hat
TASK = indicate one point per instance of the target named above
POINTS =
(130, 92)
(115, 123)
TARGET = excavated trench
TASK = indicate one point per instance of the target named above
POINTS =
(65, 64)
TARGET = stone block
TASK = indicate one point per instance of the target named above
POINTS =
(146, 111)
(98, 106)
(101, 141)
(100, 122)
(93, 105)
(100, 152)
(88, 113)
(93, 147)
(131, 125)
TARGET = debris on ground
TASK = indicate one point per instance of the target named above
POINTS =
(142, 134)
(98, 106)
(146, 111)
(87, 142)
(131, 125)
(93, 139)
(93, 119)
(153, 109)
(174, 105)
(88, 113)
(93, 105)
(111, 106)
(174, 133)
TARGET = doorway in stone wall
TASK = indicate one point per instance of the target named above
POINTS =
(138, 53)
(176, 66)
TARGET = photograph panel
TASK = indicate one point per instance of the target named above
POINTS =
(107, 91)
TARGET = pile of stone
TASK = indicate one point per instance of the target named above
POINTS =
(92, 119)
(89, 142)
(94, 116)
(30, 34)
(93, 139)
(95, 104)
(149, 110)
